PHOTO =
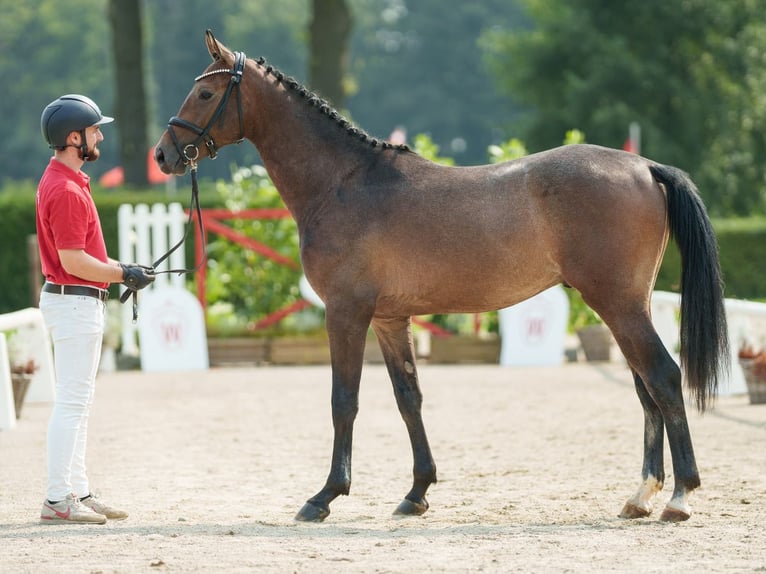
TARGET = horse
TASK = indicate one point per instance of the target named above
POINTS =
(386, 235)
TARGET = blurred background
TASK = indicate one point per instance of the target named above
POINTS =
(689, 74)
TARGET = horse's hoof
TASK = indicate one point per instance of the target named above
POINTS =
(671, 514)
(312, 513)
(409, 508)
(631, 510)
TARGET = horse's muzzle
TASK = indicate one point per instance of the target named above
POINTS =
(166, 164)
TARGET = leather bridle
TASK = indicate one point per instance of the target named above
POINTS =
(189, 155)
(190, 152)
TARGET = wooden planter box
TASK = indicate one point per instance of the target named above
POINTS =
(464, 349)
(315, 350)
(298, 350)
(287, 350)
(232, 351)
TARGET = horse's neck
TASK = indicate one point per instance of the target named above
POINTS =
(302, 158)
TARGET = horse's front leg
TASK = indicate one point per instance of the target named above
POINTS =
(395, 338)
(641, 504)
(347, 334)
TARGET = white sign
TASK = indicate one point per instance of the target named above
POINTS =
(532, 332)
(171, 330)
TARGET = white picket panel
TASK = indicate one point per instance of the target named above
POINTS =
(145, 235)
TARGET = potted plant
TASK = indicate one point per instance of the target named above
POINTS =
(753, 365)
(595, 337)
(23, 366)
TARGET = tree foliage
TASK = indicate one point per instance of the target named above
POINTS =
(418, 64)
(415, 64)
(49, 48)
(691, 73)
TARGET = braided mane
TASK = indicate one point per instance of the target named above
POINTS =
(324, 107)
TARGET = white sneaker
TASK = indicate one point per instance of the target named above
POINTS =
(69, 510)
(99, 507)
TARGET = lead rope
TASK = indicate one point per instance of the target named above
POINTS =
(194, 207)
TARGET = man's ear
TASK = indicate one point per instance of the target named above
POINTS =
(73, 138)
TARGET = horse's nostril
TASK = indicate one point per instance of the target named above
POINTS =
(159, 156)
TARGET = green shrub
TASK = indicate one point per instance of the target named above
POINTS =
(242, 285)
(740, 242)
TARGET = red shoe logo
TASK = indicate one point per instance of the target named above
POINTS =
(61, 515)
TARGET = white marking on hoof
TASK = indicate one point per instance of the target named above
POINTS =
(642, 503)
(677, 509)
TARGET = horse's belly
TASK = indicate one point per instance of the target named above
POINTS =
(473, 284)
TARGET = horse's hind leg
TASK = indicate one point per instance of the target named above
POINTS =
(641, 504)
(395, 338)
(661, 386)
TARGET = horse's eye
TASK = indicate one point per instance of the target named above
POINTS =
(205, 95)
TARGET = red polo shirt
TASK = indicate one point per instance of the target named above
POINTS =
(67, 219)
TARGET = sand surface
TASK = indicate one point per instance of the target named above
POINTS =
(534, 465)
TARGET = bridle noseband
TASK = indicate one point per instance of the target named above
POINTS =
(190, 152)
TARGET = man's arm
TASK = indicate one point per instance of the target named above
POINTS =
(80, 264)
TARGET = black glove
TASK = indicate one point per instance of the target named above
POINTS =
(136, 277)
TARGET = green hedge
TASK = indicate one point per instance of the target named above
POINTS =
(17, 223)
(740, 241)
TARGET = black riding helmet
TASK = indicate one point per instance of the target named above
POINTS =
(70, 113)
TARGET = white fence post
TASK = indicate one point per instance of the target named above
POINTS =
(7, 406)
(144, 236)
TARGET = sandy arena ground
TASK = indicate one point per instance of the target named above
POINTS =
(534, 466)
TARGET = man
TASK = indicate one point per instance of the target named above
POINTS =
(77, 272)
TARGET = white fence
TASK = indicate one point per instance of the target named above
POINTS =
(747, 324)
(145, 235)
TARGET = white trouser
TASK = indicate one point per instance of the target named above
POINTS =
(76, 326)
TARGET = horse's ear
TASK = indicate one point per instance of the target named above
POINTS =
(218, 51)
(212, 45)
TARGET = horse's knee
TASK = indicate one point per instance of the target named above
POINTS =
(345, 406)
(664, 384)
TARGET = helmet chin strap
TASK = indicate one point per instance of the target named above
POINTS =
(84, 146)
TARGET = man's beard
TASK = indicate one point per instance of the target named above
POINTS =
(93, 154)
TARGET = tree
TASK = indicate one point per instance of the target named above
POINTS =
(49, 48)
(127, 51)
(329, 33)
(419, 65)
(691, 73)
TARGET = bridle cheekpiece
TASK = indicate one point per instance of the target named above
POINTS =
(190, 152)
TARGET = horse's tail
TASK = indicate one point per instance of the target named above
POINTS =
(704, 338)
